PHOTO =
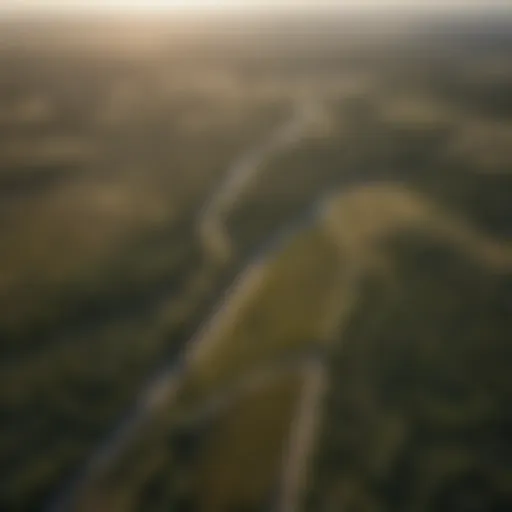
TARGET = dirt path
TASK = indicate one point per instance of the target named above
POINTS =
(306, 424)
(302, 436)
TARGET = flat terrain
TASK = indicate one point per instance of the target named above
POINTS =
(258, 269)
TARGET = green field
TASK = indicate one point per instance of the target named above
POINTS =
(373, 245)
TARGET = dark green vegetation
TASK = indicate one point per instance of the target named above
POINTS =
(109, 149)
(104, 162)
(418, 416)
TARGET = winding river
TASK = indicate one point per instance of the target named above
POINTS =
(156, 397)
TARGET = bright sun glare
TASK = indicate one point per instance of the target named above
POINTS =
(219, 5)
(172, 4)
(155, 5)
(211, 4)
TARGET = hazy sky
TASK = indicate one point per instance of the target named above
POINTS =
(35, 5)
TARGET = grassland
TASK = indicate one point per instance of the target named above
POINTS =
(235, 473)
(281, 315)
(393, 273)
